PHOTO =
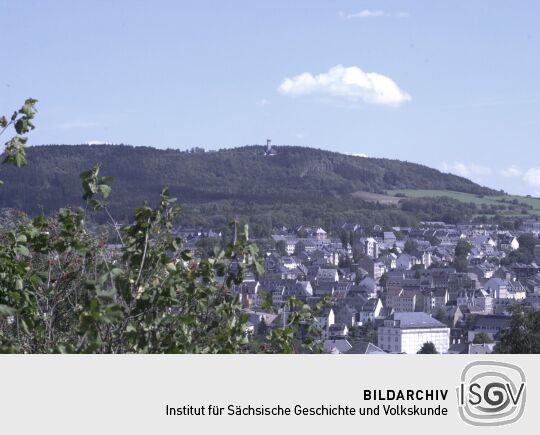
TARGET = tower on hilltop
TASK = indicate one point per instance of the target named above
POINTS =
(269, 151)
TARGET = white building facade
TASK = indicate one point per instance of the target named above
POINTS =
(407, 332)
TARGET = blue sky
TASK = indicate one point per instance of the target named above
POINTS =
(451, 84)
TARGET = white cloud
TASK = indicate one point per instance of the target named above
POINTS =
(262, 102)
(367, 13)
(346, 82)
(300, 135)
(468, 170)
(356, 154)
(511, 172)
(97, 142)
(482, 174)
(532, 176)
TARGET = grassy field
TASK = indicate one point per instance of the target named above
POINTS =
(376, 197)
(468, 197)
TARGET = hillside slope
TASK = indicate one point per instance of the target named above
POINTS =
(242, 176)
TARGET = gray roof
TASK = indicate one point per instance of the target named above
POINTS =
(363, 347)
(458, 348)
(491, 321)
(337, 346)
(417, 320)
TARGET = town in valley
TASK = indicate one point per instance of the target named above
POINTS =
(394, 290)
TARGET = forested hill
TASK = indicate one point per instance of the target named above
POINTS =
(245, 175)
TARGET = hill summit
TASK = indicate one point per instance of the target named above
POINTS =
(233, 180)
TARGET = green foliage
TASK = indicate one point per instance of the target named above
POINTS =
(383, 279)
(525, 252)
(365, 333)
(296, 185)
(518, 256)
(440, 209)
(434, 241)
(410, 246)
(300, 333)
(428, 348)
(63, 289)
(523, 336)
(463, 248)
(482, 338)
(494, 203)
(68, 295)
(461, 264)
(281, 247)
(441, 316)
(21, 121)
(527, 242)
(92, 185)
(262, 328)
(207, 246)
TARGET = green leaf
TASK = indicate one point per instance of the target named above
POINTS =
(23, 250)
(105, 190)
(186, 255)
(21, 126)
(7, 311)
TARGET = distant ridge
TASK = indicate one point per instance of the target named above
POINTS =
(244, 174)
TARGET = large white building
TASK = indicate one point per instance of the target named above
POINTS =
(371, 247)
(407, 332)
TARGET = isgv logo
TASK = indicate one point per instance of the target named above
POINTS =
(491, 393)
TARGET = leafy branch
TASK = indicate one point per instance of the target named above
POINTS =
(64, 289)
(21, 121)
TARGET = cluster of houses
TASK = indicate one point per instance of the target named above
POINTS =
(395, 289)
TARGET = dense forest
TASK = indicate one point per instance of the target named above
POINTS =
(295, 185)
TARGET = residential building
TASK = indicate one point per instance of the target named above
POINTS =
(327, 275)
(492, 325)
(435, 299)
(508, 242)
(389, 239)
(371, 247)
(320, 234)
(476, 301)
(401, 300)
(407, 332)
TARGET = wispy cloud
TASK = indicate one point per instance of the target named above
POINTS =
(368, 13)
(472, 171)
(262, 102)
(532, 177)
(78, 124)
(350, 83)
(511, 172)
(365, 13)
(483, 174)
(527, 180)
